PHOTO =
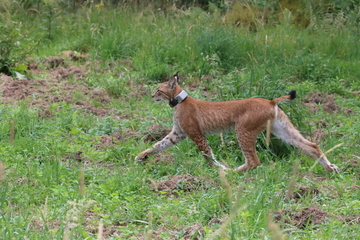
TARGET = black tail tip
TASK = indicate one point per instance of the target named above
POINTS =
(292, 94)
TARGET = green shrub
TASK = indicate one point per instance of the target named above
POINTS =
(14, 46)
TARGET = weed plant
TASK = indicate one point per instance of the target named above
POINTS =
(72, 175)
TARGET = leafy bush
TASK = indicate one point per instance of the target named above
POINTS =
(13, 46)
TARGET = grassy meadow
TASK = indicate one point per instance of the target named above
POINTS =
(76, 109)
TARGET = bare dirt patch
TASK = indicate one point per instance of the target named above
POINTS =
(55, 88)
(39, 225)
(155, 133)
(66, 72)
(302, 218)
(321, 124)
(312, 177)
(86, 106)
(111, 140)
(193, 232)
(317, 135)
(76, 156)
(92, 221)
(313, 108)
(352, 164)
(54, 62)
(349, 219)
(317, 99)
(181, 183)
(74, 56)
(163, 158)
(156, 233)
(75, 159)
(138, 90)
(304, 191)
(107, 141)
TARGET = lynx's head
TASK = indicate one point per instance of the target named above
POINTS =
(170, 91)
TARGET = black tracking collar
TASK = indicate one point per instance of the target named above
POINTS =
(178, 99)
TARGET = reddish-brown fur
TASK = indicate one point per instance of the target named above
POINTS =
(195, 119)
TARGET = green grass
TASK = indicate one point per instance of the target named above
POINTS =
(51, 191)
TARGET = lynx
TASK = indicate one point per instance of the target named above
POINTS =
(195, 119)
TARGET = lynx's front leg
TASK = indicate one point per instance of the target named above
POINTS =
(205, 148)
(175, 136)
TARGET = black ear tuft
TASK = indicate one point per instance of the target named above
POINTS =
(176, 76)
(292, 94)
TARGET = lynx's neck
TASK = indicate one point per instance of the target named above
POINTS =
(178, 98)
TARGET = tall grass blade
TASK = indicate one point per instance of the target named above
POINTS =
(148, 233)
(100, 230)
(235, 209)
(2, 171)
(82, 183)
(294, 176)
(225, 184)
(275, 230)
(324, 154)
(268, 131)
(12, 132)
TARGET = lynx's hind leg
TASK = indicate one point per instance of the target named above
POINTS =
(175, 136)
(247, 142)
(285, 130)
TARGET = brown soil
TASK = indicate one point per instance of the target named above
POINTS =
(100, 112)
(91, 221)
(305, 191)
(317, 99)
(155, 133)
(313, 177)
(349, 219)
(313, 108)
(107, 141)
(54, 62)
(181, 183)
(317, 135)
(75, 56)
(321, 124)
(215, 221)
(55, 87)
(303, 218)
(193, 232)
(77, 156)
(352, 164)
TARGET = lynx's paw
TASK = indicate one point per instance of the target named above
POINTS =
(333, 168)
(140, 158)
(217, 164)
(143, 155)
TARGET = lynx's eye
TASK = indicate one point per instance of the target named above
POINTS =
(158, 91)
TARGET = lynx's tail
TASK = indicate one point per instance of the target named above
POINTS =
(290, 96)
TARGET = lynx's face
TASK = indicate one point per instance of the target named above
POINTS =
(159, 96)
(161, 93)
(164, 92)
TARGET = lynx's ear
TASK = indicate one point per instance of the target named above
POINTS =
(174, 80)
(176, 76)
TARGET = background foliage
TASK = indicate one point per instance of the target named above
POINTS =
(58, 181)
